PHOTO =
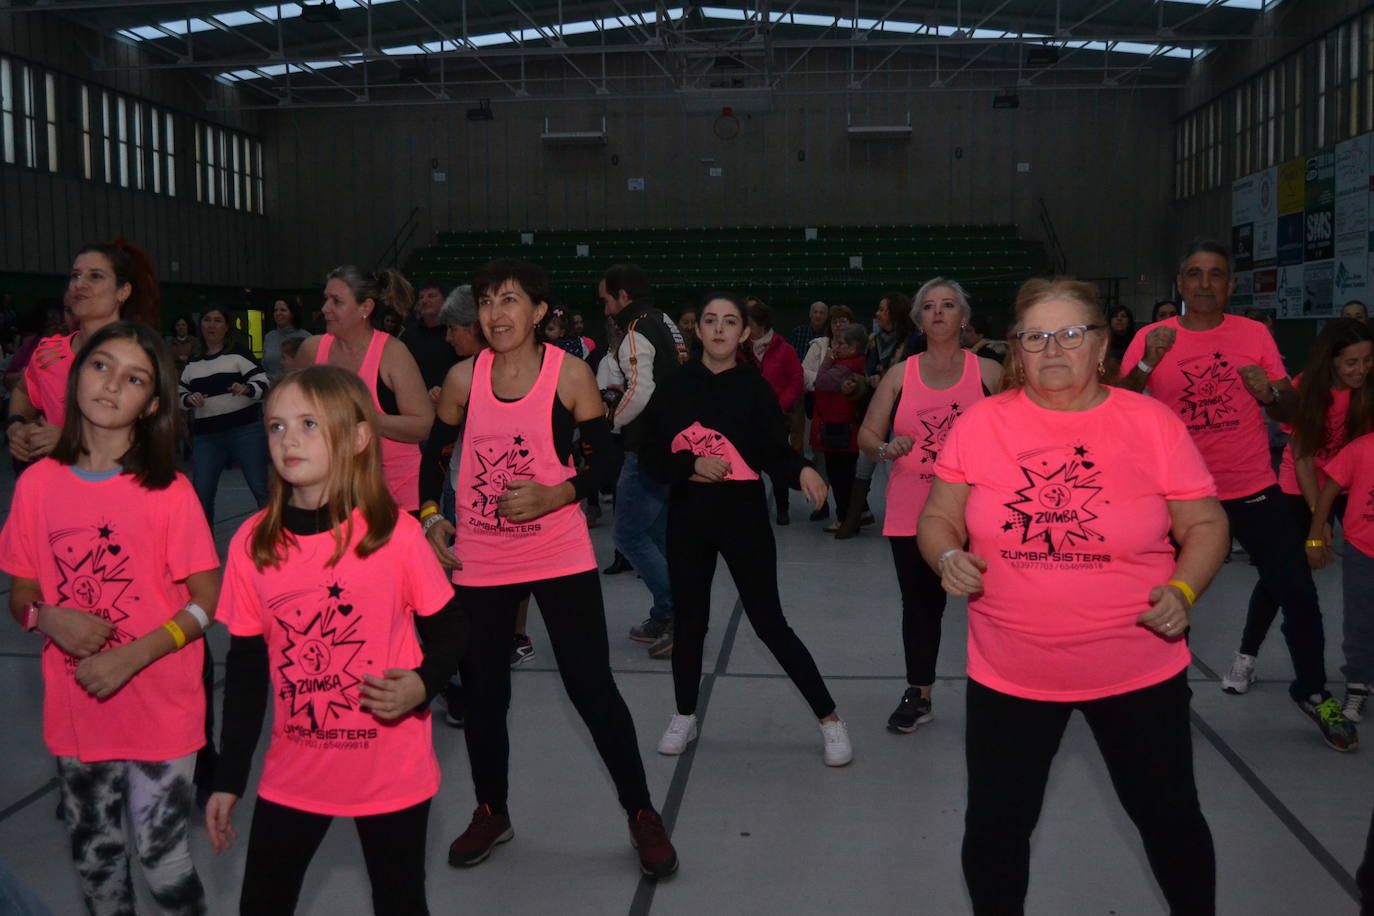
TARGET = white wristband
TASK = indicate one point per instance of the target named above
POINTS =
(198, 612)
(940, 563)
(1145, 367)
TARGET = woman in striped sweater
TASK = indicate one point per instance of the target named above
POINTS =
(223, 388)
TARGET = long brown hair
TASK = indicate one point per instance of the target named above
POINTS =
(1314, 393)
(1038, 290)
(132, 265)
(388, 289)
(355, 478)
(151, 458)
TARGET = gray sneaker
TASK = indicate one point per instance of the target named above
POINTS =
(1241, 675)
(663, 646)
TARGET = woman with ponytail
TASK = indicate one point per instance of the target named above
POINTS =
(109, 282)
(352, 299)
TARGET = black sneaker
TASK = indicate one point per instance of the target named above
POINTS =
(911, 712)
(657, 857)
(650, 630)
(820, 514)
(487, 831)
(618, 565)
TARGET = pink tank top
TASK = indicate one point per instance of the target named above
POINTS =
(400, 460)
(705, 442)
(1335, 440)
(46, 377)
(926, 415)
(514, 441)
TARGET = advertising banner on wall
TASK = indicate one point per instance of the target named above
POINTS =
(1352, 189)
(1291, 189)
(1317, 281)
(1319, 226)
(1243, 296)
(1289, 293)
(1266, 285)
(1351, 277)
(1290, 231)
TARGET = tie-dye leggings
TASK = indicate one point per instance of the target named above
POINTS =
(105, 804)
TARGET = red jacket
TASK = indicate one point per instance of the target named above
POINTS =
(781, 369)
(833, 409)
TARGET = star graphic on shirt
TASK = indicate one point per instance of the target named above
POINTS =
(496, 469)
(1216, 355)
(97, 584)
(936, 424)
(1080, 451)
(335, 590)
(1055, 506)
(518, 440)
(316, 677)
(104, 531)
(1207, 396)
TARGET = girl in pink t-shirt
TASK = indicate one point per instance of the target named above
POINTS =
(113, 562)
(1334, 407)
(325, 589)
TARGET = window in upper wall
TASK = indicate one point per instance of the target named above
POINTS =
(155, 147)
(86, 166)
(228, 168)
(50, 97)
(169, 137)
(139, 164)
(7, 111)
(107, 135)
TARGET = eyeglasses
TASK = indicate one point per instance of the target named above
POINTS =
(1068, 338)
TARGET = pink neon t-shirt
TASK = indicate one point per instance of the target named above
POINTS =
(1069, 510)
(1353, 468)
(325, 627)
(1198, 380)
(117, 550)
(45, 377)
(926, 415)
(1336, 416)
(705, 442)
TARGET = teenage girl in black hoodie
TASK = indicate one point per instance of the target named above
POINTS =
(716, 428)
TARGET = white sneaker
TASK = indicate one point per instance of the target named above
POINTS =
(1355, 697)
(682, 731)
(838, 750)
(1241, 675)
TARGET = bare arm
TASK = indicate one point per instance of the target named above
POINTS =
(941, 534)
(1305, 469)
(877, 421)
(402, 375)
(991, 371)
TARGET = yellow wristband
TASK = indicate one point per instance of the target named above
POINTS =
(177, 634)
(427, 511)
(1315, 542)
(1186, 589)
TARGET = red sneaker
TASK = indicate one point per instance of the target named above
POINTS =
(657, 858)
(487, 831)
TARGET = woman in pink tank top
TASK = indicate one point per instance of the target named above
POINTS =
(520, 532)
(404, 410)
(108, 282)
(918, 402)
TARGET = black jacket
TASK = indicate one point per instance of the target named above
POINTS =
(670, 352)
(737, 403)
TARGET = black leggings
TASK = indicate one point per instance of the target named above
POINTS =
(575, 620)
(730, 519)
(1263, 524)
(1146, 742)
(923, 607)
(282, 841)
(1259, 617)
(839, 469)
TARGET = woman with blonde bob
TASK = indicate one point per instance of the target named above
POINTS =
(1066, 492)
(325, 591)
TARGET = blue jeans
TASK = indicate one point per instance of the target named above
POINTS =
(210, 452)
(1357, 587)
(641, 530)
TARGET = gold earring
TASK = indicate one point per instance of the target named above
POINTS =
(1101, 367)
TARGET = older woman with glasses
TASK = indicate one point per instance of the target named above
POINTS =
(1066, 492)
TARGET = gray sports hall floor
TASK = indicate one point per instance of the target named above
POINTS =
(760, 824)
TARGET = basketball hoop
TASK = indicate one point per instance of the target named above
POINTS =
(726, 126)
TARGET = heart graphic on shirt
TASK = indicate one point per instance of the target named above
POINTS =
(345, 609)
(1088, 464)
(524, 453)
(114, 549)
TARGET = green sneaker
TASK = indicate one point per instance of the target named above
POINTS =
(1336, 730)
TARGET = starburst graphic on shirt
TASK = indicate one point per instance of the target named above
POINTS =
(315, 672)
(936, 423)
(497, 467)
(1207, 395)
(95, 581)
(1054, 504)
(703, 442)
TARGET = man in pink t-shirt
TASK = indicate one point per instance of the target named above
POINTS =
(1220, 374)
